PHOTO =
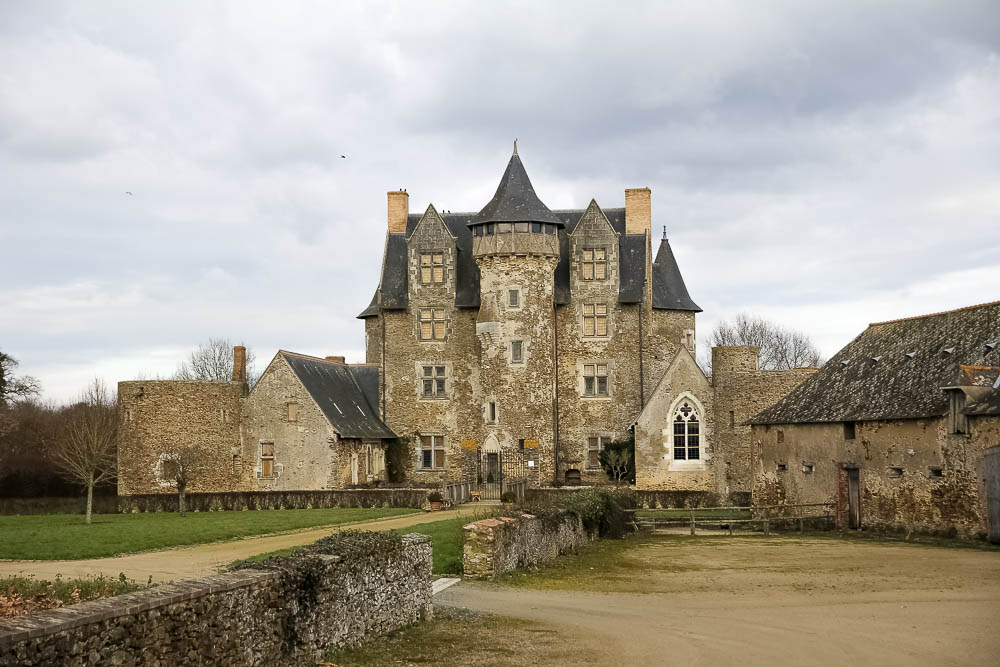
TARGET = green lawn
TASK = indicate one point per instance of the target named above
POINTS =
(67, 537)
(446, 540)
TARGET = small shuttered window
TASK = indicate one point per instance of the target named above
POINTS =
(432, 452)
(432, 324)
(432, 268)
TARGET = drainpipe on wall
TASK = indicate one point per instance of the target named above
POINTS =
(555, 400)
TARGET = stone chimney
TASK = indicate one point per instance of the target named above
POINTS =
(638, 212)
(337, 360)
(399, 209)
(240, 366)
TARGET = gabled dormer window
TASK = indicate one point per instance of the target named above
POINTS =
(432, 268)
(595, 264)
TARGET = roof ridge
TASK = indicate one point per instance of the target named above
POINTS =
(325, 361)
(943, 312)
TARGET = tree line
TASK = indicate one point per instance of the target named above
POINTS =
(49, 450)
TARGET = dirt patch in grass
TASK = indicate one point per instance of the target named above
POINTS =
(457, 638)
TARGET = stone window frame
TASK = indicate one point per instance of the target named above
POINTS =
(491, 411)
(594, 449)
(437, 446)
(437, 319)
(520, 345)
(593, 389)
(687, 464)
(518, 298)
(439, 379)
(292, 411)
(591, 264)
(599, 314)
(432, 271)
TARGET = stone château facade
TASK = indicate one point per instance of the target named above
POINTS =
(547, 334)
(515, 334)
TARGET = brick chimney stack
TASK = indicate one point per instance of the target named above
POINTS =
(239, 364)
(337, 360)
(638, 211)
(399, 209)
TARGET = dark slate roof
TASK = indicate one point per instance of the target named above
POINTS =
(347, 395)
(894, 370)
(989, 405)
(515, 200)
(669, 291)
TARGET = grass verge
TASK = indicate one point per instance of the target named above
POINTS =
(446, 542)
(67, 537)
(457, 637)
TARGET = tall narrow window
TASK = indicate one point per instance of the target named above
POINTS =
(491, 413)
(514, 298)
(850, 431)
(267, 459)
(293, 412)
(595, 319)
(432, 452)
(434, 381)
(595, 379)
(432, 268)
(687, 433)
(595, 444)
(732, 420)
(432, 324)
(517, 352)
(595, 264)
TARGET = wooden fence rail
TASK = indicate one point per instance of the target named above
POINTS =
(759, 514)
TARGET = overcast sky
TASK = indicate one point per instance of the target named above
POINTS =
(824, 164)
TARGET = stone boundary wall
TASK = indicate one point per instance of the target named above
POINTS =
(270, 500)
(494, 546)
(248, 617)
(653, 499)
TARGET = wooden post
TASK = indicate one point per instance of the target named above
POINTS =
(692, 521)
(767, 526)
(800, 524)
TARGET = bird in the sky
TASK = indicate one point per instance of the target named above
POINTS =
(129, 193)
(344, 156)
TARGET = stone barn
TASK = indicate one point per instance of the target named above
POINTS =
(894, 428)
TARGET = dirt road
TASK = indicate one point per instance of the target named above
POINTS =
(198, 561)
(747, 602)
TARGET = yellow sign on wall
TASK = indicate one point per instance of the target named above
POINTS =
(531, 444)
(469, 445)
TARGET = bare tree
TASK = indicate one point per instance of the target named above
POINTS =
(88, 451)
(181, 467)
(13, 388)
(214, 361)
(780, 348)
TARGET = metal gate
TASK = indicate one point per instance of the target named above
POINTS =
(500, 471)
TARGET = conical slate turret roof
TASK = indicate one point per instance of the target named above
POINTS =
(669, 291)
(515, 199)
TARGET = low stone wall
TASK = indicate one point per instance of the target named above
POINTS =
(249, 617)
(271, 500)
(495, 546)
(652, 499)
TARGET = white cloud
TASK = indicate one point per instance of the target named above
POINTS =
(821, 163)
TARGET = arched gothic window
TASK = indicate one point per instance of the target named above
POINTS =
(687, 432)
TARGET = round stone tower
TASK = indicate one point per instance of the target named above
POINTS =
(515, 241)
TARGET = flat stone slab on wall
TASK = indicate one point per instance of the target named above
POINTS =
(495, 546)
(268, 500)
(249, 617)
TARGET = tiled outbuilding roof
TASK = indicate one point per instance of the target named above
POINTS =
(896, 369)
(347, 394)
